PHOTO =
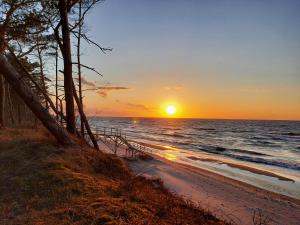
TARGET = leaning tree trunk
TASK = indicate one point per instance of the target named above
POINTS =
(14, 78)
(66, 52)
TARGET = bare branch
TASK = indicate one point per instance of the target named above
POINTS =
(28, 51)
(89, 41)
(90, 68)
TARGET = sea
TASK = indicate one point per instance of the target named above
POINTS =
(262, 153)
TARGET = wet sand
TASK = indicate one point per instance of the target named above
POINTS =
(227, 198)
(243, 167)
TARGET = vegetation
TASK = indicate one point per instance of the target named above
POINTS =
(43, 183)
(31, 32)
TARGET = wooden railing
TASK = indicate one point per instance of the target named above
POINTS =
(117, 140)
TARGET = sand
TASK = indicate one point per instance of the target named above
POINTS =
(226, 198)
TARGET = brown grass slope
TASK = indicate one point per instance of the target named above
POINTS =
(42, 183)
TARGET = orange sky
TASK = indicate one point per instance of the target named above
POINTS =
(208, 102)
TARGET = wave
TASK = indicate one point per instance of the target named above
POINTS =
(249, 152)
(228, 153)
(283, 164)
(241, 131)
(291, 134)
(213, 130)
(277, 139)
(264, 139)
(182, 144)
(243, 167)
(174, 135)
(262, 142)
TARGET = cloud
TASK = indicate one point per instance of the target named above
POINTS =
(101, 89)
(104, 90)
(112, 88)
(136, 106)
(86, 82)
(103, 94)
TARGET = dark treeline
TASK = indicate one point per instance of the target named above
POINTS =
(36, 37)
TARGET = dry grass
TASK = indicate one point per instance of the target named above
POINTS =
(42, 183)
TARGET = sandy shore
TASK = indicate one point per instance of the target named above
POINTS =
(226, 198)
(243, 167)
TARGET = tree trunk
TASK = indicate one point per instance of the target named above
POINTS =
(61, 112)
(9, 105)
(30, 99)
(42, 73)
(79, 65)
(84, 119)
(2, 91)
(66, 52)
(56, 82)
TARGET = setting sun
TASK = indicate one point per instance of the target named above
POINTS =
(170, 110)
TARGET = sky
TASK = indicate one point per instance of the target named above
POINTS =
(232, 59)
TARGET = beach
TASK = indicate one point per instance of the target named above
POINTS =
(230, 168)
(227, 198)
(264, 154)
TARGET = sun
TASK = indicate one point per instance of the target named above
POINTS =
(171, 110)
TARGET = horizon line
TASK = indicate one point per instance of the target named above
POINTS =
(195, 118)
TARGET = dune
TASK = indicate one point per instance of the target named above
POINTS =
(44, 183)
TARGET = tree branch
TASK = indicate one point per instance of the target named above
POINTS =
(89, 41)
(87, 67)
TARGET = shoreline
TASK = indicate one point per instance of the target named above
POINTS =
(228, 162)
(243, 167)
(228, 198)
(204, 172)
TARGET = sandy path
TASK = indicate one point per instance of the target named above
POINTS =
(225, 197)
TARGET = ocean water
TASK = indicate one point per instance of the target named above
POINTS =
(219, 145)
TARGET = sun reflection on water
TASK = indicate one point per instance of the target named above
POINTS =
(170, 148)
(170, 153)
(170, 156)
